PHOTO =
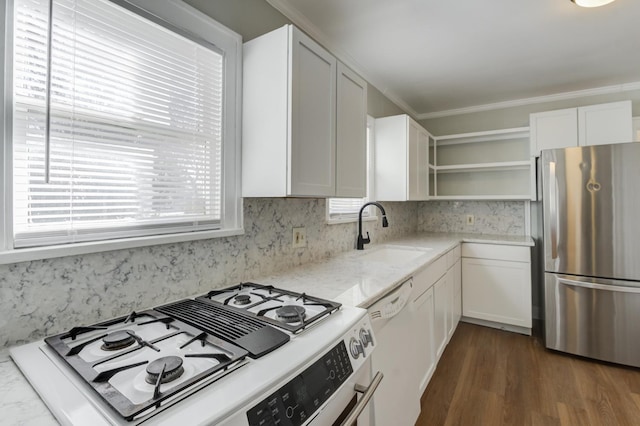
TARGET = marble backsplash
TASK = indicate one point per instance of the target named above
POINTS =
(44, 297)
(491, 217)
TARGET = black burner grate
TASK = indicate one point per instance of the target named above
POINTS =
(254, 336)
(66, 347)
(269, 293)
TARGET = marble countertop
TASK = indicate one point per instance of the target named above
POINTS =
(353, 280)
(19, 403)
(349, 278)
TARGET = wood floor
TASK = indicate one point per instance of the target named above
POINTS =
(493, 377)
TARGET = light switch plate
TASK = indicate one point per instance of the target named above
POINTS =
(470, 220)
(299, 237)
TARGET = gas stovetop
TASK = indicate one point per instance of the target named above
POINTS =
(291, 311)
(144, 362)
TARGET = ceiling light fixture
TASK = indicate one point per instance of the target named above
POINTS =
(591, 3)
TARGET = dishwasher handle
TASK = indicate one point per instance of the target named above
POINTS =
(367, 393)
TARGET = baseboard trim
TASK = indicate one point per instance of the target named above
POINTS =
(500, 326)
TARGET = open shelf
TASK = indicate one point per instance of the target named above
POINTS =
(504, 165)
(483, 166)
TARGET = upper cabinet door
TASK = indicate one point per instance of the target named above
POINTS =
(553, 129)
(351, 136)
(418, 162)
(589, 125)
(605, 124)
(401, 159)
(312, 145)
(413, 162)
(288, 117)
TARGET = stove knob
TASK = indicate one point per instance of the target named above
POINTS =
(355, 346)
(365, 337)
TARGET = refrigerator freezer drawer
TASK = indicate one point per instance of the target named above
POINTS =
(497, 252)
(595, 319)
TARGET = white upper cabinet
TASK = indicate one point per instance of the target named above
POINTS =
(296, 105)
(590, 125)
(605, 124)
(419, 164)
(351, 157)
(312, 142)
(553, 129)
(401, 159)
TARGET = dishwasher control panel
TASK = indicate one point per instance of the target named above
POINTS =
(391, 304)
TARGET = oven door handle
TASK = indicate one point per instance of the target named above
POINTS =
(367, 393)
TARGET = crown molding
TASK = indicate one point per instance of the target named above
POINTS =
(304, 24)
(619, 88)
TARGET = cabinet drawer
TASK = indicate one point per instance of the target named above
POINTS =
(498, 252)
(424, 280)
(452, 256)
(437, 269)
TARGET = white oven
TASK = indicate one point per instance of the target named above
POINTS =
(334, 388)
(321, 376)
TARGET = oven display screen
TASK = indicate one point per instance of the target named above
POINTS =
(295, 402)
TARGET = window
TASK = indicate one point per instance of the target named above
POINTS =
(340, 210)
(123, 123)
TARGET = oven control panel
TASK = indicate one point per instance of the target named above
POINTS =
(295, 402)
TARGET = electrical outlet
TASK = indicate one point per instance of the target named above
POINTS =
(470, 220)
(299, 237)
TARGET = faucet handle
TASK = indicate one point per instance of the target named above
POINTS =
(366, 240)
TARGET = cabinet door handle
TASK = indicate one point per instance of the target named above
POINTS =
(367, 393)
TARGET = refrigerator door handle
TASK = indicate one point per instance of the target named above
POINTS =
(553, 209)
(616, 288)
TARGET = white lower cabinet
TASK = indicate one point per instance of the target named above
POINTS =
(454, 288)
(436, 312)
(441, 314)
(496, 284)
(447, 301)
(422, 308)
(457, 298)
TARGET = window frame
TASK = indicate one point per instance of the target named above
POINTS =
(182, 17)
(371, 211)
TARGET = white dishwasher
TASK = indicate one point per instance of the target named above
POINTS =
(396, 401)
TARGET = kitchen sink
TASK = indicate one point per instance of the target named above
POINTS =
(394, 255)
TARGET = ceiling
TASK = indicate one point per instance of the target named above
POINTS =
(441, 57)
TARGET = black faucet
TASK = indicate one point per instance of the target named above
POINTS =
(361, 240)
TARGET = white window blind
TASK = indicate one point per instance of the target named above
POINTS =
(135, 132)
(346, 207)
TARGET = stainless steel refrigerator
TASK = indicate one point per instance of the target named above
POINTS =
(591, 237)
